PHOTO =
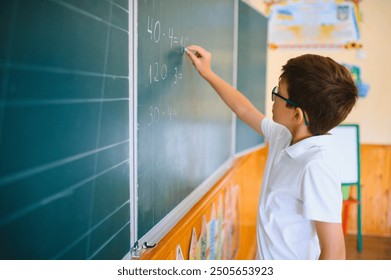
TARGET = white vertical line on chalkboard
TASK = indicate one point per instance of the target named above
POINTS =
(133, 121)
(99, 131)
(119, 6)
(90, 257)
(89, 231)
(235, 72)
(85, 13)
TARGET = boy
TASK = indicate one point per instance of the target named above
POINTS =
(299, 214)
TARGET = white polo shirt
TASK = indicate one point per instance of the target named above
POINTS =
(301, 184)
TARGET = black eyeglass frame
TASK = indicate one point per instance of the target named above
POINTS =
(275, 93)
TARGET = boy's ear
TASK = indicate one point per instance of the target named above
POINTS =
(298, 115)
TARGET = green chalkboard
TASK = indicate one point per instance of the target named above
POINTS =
(64, 129)
(251, 70)
(184, 129)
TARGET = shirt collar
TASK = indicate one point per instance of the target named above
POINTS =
(304, 145)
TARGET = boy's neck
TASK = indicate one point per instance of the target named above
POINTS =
(300, 134)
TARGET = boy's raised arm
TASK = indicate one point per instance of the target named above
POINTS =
(235, 100)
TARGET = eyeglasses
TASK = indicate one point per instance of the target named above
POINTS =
(275, 93)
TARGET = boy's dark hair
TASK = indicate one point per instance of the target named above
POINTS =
(321, 87)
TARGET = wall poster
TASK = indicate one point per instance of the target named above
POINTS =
(313, 24)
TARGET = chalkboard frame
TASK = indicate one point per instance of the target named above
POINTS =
(133, 125)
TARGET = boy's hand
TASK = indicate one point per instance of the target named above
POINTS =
(235, 100)
(201, 59)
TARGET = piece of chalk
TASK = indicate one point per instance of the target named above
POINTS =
(186, 50)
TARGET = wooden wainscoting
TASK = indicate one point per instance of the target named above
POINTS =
(375, 192)
(247, 174)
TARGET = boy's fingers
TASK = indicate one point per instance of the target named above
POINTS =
(191, 55)
(197, 50)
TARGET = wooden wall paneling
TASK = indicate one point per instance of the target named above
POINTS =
(246, 173)
(375, 192)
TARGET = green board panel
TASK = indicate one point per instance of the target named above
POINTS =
(251, 69)
(64, 129)
(184, 129)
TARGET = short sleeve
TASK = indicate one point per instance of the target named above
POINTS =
(272, 130)
(321, 193)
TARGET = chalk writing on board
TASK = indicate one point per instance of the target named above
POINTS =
(155, 29)
(164, 39)
(167, 38)
(156, 113)
(157, 72)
